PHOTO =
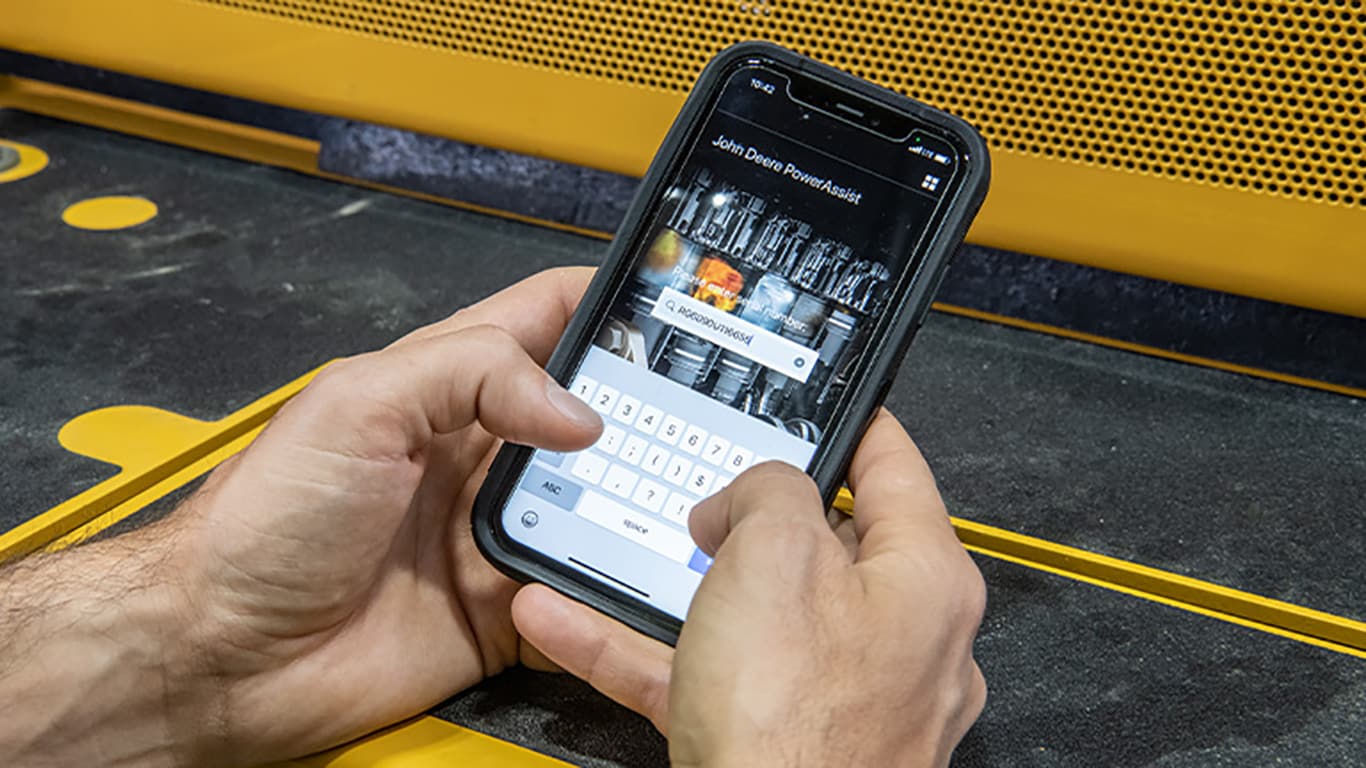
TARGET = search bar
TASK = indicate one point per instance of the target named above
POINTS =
(730, 332)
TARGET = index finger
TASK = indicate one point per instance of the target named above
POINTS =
(896, 501)
(535, 311)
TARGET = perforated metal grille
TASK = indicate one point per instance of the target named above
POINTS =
(1259, 96)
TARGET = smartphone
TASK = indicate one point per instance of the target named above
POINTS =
(779, 255)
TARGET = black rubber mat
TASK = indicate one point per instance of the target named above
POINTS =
(251, 276)
(1078, 676)
(1252, 484)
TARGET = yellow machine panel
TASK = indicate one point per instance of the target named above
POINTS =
(1221, 145)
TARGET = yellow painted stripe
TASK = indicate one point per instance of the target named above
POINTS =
(1193, 608)
(121, 496)
(429, 741)
(1204, 597)
(1245, 608)
(157, 490)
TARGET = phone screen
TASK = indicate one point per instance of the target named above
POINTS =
(777, 244)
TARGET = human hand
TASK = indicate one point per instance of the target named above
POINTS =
(332, 583)
(803, 645)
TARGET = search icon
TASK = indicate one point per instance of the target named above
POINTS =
(669, 305)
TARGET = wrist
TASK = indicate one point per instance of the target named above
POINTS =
(820, 738)
(100, 666)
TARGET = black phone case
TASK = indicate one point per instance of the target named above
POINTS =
(887, 345)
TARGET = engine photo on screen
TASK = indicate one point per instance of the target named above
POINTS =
(740, 300)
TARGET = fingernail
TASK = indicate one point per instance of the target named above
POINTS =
(571, 407)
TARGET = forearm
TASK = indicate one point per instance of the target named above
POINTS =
(93, 642)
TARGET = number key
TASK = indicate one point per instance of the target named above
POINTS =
(627, 408)
(671, 429)
(650, 417)
(693, 440)
(604, 400)
(583, 388)
(739, 459)
(715, 452)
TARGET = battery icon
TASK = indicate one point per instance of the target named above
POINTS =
(932, 149)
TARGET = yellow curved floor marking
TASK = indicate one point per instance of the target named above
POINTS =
(429, 741)
(104, 214)
(31, 161)
(157, 451)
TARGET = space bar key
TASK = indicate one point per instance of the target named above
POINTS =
(651, 534)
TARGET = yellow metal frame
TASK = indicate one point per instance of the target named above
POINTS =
(1249, 243)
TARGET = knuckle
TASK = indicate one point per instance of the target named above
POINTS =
(338, 377)
(973, 603)
(493, 339)
(772, 475)
(976, 699)
(460, 319)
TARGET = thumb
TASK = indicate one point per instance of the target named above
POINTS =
(772, 494)
(392, 403)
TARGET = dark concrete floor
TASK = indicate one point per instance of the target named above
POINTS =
(252, 276)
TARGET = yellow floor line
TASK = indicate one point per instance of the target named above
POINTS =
(1248, 609)
(1325, 630)
(429, 742)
